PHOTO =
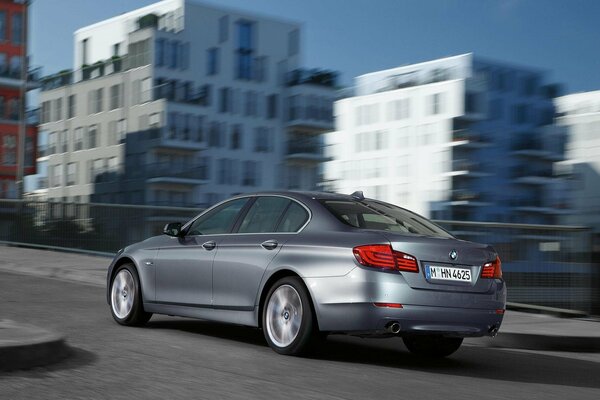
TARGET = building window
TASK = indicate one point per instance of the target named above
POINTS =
(261, 68)
(121, 130)
(57, 110)
(272, 102)
(293, 42)
(496, 109)
(212, 57)
(223, 28)
(262, 140)
(251, 103)
(9, 150)
(116, 97)
(92, 136)
(225, 101)
(17, 28)
(436, 103)
(184, 56)
(52, 141)
(71, 174)
(13, 109)
(174, 54)
(2, 25)
(64, 141)
(159, 52)
(71, 106)
(57, 175)
(15, 66)
(95, 101)
(215, 137)
(245, 50)
(3, 64)
(78, 139)
(520, 114)
(236, 137)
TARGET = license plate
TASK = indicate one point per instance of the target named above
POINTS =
(447, 273)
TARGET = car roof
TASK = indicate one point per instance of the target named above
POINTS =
(303, 195)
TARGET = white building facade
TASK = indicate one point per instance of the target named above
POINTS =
(579, 114)
(454, 138)
(220, 96)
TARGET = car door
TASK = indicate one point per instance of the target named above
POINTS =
(244, 256)
(184, 267)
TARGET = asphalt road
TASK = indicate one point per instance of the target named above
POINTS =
(175, 358)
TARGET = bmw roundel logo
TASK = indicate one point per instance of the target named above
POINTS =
(453, 254)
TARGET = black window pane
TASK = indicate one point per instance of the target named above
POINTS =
(264, 215)
(219, 220)
(295, 217)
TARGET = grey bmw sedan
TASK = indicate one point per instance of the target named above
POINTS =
(301, 265)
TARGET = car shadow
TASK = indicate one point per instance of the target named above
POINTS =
(469, 361)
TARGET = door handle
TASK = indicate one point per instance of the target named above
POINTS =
(269, 244)
(209, 245)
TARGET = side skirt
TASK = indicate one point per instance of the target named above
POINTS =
(232, 316)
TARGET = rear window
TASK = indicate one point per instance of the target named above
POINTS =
(370, 214)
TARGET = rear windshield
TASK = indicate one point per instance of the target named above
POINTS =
(370, 214)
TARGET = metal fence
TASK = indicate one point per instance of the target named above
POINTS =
(547, 266)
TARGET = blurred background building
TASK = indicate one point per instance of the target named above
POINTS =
(579, 114)
(183, 104)
(458, 138)
(15, 80)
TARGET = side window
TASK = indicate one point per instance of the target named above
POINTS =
(219, 220)
(264, 215)
(293, 219)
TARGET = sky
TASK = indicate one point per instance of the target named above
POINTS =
(360, 36)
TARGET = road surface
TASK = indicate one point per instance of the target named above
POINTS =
(176, 358)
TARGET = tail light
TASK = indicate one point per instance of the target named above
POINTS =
(492, 270)
(383, 256)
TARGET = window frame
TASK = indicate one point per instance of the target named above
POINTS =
(242, 214)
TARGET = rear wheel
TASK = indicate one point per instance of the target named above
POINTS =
(288, 320)
(126, 297)
(432, 345)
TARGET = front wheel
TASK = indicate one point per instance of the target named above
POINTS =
(126, 297)
(288, 321)
(432, 346)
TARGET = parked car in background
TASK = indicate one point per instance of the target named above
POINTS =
(300, 265)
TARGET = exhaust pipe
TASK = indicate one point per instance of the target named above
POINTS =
(393, 327)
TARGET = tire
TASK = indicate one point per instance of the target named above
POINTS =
(432, 346)
(288, 320)
(126, 297)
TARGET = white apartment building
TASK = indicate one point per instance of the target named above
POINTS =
(181, 103)
(579, 113)
(454, 138)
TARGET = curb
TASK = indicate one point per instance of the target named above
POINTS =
(533, 341)
(30, 347)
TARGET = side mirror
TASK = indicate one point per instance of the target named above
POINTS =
(172, 229)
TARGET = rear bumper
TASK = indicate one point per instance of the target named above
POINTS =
(346, 304)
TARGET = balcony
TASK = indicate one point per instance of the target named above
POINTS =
(306, 151)
(312, 77)
(11, 77)
(466, 168)
(87, 72)
(175, 174)
(173, 138)
(531, 176)
(465, 197)
(468, 139)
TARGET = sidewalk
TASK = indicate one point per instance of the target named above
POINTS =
(519, 330)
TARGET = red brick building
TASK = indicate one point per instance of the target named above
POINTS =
(13, 37)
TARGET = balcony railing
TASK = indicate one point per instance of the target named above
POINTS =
(33, 74)
(313, 77)
(298, 147)
(169, 170)
(96, 70)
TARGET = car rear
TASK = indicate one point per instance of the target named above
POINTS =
(414, 280)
